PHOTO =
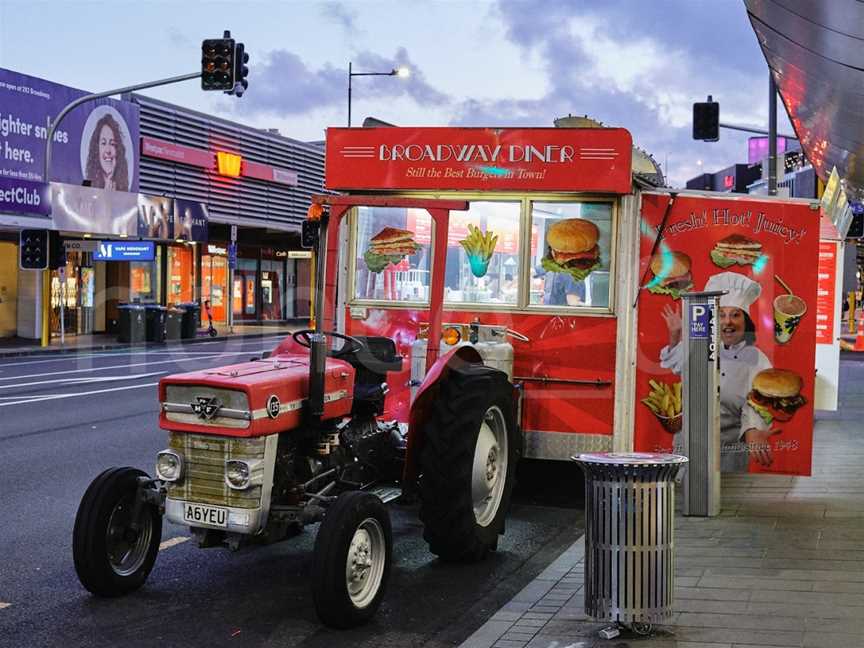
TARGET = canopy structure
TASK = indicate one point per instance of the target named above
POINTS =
(815, 51)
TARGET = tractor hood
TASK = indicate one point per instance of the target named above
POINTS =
(251, 398)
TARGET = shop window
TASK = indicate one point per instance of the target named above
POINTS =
(214, 284)
(483, 254)
(144, 279)
(393, 254)
(181, 274)
(571, 254)
(272, 286)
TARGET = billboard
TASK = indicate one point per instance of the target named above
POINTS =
(125, 251)
(97, 141)
(764, 255)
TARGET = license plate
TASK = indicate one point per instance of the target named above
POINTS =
(202, 514)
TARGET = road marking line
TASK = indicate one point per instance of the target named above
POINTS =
(205, 356)
(173, 542)
(40, 398)
(81, 380)
(4, 605)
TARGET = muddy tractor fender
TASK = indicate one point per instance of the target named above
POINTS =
(458, 357)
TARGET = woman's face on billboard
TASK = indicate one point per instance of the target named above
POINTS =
(107, 151)
(732, 325)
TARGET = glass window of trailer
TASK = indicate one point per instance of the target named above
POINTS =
(393, 251)
(571, 254)
(483, 254)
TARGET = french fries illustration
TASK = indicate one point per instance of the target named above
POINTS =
(480, 247)
(664, 400)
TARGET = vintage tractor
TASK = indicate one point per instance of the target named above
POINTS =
(258, 450)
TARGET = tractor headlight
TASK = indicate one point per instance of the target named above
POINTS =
(169, 466)
(238, 474)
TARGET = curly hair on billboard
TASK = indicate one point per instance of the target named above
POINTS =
(106, 157)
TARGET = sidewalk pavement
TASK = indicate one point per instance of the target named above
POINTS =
(782, 566)
(108, 342)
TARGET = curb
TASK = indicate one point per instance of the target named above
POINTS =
(140, 345)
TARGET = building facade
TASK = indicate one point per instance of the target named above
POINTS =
(172, 206)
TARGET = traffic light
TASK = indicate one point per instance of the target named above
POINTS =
(706, 121)
(33, 249)
(217, 63)
(241, 71)
(56, 251)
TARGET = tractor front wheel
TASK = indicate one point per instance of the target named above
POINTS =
(468, 463)
(116, 539)
(352, 557)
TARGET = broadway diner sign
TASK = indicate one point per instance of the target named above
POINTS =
(515, 159)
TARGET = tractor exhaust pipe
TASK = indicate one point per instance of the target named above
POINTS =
(318, 340)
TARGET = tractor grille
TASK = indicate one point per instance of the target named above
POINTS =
(204, 457)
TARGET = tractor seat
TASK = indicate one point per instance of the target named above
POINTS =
(379, 357)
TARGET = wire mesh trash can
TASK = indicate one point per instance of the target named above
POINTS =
(629, 549)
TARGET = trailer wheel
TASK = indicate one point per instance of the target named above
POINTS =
(111, 557)
(352, 557)
(468, 463)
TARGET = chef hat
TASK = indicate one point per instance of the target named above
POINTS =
(741, 291)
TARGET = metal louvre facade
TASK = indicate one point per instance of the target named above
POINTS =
(242, 200)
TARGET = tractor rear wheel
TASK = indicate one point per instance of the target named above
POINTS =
(468, 463)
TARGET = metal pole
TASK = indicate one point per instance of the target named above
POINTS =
(772, 135)
(756, 131)
(100, 95)
(350, 75)
(62, 272)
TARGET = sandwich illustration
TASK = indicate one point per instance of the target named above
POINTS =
(671, 274)
(572, 247)
(776, 394)
(736, 248)
(390, 245)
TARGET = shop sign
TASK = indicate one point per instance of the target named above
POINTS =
(215, 249)
(24, 197)
(166, 218)
(522, 159)
(97, 141)
(299, 254)
(825, 295)
(80, 246)
(125, 251)
(163, 150)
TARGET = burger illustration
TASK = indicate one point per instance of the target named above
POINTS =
(572, 248)
(390, 245)
(671, 274)
(736, 248)
(776, 394)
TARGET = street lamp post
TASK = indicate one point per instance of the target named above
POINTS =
(400, 72)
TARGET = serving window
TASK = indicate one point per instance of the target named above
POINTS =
(393, 254)
(483, 254)
(570, 265)
(511, 254)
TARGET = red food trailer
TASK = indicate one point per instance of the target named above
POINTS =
(587, 310)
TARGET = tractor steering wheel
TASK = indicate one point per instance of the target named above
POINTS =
(352, 344)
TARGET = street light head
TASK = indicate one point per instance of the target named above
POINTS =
(402, 72)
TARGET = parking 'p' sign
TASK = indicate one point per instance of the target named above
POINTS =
(700, 321)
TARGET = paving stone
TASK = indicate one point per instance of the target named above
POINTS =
(524, 637)
(749, 582)
(487, 634)
(832, 640)
(505, 643)
(702, 605)
(531, 623)
(740, 621)
(740, 636)
(712, 594)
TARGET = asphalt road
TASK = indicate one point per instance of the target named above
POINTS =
(65, 419)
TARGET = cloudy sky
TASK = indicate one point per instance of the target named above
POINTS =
(628, 63)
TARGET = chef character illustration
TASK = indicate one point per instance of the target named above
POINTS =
(742, 430)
